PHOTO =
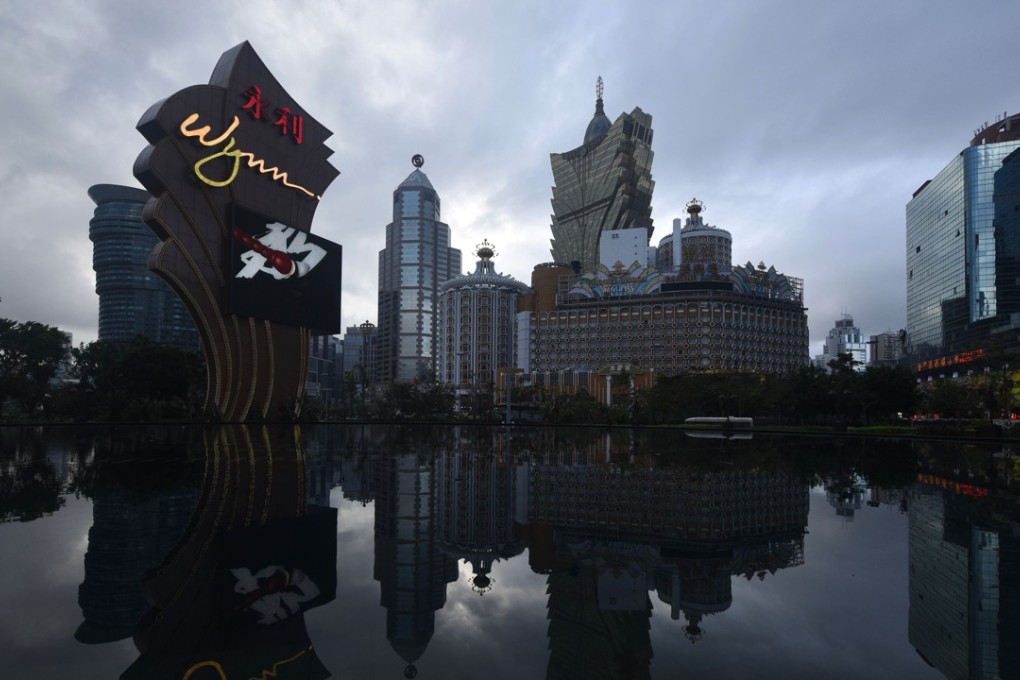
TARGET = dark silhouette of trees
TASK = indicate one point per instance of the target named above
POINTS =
(810, 395)
(30, 482)
(952, 399)
(30, 356)
(889, 391)
(414, 401)
(137, 380)
(579, 407)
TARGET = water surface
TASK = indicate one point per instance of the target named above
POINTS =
(388, 552)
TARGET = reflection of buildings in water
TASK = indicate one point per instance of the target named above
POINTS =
(587, 640)
(37, 470)
(357, 478)
(845, 494)
(143, 491)
(607, 536)
(411, 570)
(358, 449)
(475, 500)
(582, 448)
(322, 470)
(964, 557)
(131, 532)
(668, 504)
(695, 587)
(896, 498)
(54, 460)
(230, 597)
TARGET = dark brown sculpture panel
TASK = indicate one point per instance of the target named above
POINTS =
(236, 169)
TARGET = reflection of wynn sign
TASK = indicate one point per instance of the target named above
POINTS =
(236, 169)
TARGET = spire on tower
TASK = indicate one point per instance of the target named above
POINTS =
(599, 88)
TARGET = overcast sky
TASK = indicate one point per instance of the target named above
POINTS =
(803, 125)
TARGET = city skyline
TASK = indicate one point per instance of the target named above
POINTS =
(804, 140)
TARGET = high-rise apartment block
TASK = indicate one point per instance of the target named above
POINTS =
(324, 369)
(359, 352)
(844, 338)
(886, 349)
(417, 259)
(132, 300)
(962, 251)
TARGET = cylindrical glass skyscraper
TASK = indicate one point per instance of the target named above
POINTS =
(132, 300)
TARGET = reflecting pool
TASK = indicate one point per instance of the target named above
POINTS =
(239, 552)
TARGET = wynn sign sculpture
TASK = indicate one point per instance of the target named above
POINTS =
(236, 170)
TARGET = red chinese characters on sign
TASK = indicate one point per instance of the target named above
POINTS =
(286, 120)
(958, 358)
(955, 487)
(255, 103)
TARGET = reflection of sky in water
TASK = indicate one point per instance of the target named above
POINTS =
(843, 612)
(40, 570)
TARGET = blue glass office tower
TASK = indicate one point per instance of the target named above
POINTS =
(132, 300)
(416, 260)
(952, 293)
(1007, 237)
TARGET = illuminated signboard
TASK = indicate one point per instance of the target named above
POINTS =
(952, 360)
(244, 134)
(948, 484)
(284, 274)
(236, 169)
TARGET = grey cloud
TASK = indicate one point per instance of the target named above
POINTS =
(804, 127)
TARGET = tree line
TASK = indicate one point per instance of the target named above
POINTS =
(42, 377)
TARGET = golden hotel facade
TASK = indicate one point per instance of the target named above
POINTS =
(754, 321)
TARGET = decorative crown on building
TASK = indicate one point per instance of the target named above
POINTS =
(485, 250)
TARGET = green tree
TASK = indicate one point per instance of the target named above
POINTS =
(102, 390)
(30, 355)
(952, 399)
(476, 402)
(415, 401)
(997, 394)
(29, 490)
(138, 380)
(807, 393)
(888, 391)
(846, 387)
(579, 407)
(660, 403)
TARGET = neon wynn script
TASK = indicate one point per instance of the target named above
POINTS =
(228, 151)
